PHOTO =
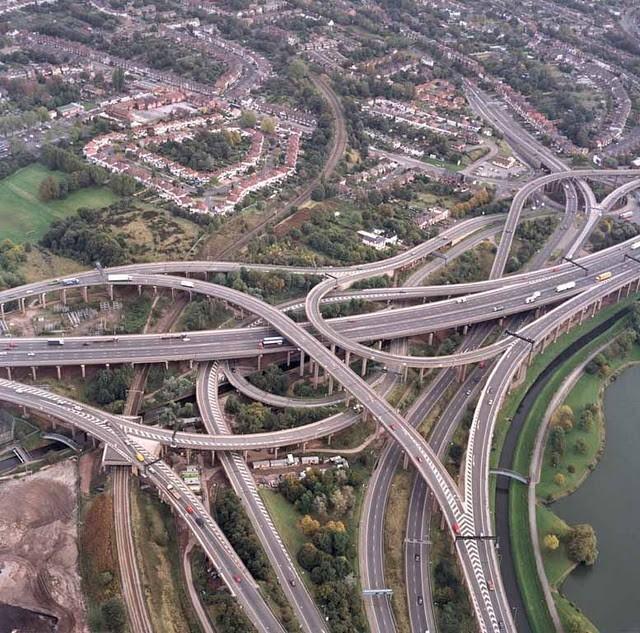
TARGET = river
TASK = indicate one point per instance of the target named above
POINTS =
(609, 592)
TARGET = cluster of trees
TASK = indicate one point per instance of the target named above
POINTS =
(273, 379)
(454, 613)
(203, 314)
(11, 257)
(271, 287)
(81, 174)
(472, 265)
(206, 150)
(348, 308)
(235, 524)
(611, 231)
(322, 494)
(329, 548)
(256, 417)
(618, 348)
(87, 238)
(531, 236)
(163, 54)
(25, 119)
(109, 387)
(41, 92)
(479, 198)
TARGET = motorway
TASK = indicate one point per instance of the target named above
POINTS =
(467, 512)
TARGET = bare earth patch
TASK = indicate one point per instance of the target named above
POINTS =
(38, 546)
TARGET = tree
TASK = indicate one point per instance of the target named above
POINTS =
(586, 420)
(559, 479)
(309, 525)
(268, 125)
(580, 446)
(117, 79)
(297, 70)
(575, 624)
(551, 542)
(114, 615)
(49, 189)
(248, 119)
(563, 416)
(582, 544)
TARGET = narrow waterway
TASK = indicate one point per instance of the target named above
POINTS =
(609, 499)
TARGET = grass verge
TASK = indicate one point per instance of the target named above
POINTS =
(160, 565)
(395, 525)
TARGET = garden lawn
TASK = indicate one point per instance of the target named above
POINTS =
(24, 217)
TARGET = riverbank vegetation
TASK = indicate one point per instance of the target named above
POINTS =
(524, 559)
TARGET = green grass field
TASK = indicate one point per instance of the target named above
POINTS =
(24, 217)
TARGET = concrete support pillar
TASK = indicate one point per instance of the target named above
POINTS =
(155, 290)
(304, 447)
(379, 344)
(405, 374)
(85, 294)
(110, 289)
(64, 296)
(33, 373)
(140, 291)
(430, 339)
(2, 310)
(316, 372)
(329, 437)
(259, 362)
(465, 329)
(191, 363)
(9, 373)
(289, 359)
(363, 372)
(166, 365)
(107, 365)
(405, 461)
(637, 284)
(302, 362)
(83, 371)
(347, 358)
(23, 305)
(43, 299)
(330, 387)
(59, 372)
(619, 294)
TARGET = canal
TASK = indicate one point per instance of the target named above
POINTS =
(608, 499)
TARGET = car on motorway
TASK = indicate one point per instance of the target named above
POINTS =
(417, 558)
(189, 509)
(200, 521)
(237, 578)
(292, 582)
(140, 457)
(420, 600)
(456, 528)
(419, 458)
(31, 353)
(490, 402)
(468, 392)
(490, 585)
(498, 308)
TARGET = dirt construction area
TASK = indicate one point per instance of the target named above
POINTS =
(38, 546)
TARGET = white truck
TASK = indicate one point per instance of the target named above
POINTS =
(117, 278)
